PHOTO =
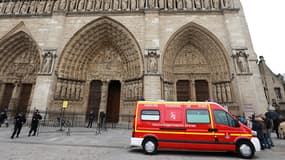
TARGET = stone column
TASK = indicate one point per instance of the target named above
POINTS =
(152, 81)
(42, 93)
(193, 90)
(104, 97)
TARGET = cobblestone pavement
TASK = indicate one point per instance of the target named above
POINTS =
(113, 144)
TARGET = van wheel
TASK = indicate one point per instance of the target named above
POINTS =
(245, 149)
(149, 146)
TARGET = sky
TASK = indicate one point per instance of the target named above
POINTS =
(266, 22)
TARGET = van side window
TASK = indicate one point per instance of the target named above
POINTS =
(197, 116)
(150, 115)
(221, 117)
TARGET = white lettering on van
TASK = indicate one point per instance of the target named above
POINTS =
(167, 125)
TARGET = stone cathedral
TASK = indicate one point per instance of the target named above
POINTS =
(104, 55)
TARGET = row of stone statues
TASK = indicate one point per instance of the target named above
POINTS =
(18, 7)
(223, 93)
(133, 90)
(69, 90)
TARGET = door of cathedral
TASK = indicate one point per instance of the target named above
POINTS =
(113, 103)
(202, 90)
(94, 97)
(7, 95)
(24, 98)
(183, 90)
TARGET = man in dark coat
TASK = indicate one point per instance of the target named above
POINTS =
(20, 119)
(91, 118)
(35, 122)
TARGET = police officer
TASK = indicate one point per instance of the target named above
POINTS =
(20, 119)
(35, 122)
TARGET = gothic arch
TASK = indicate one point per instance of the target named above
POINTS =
(203, 41)
(86, 44)
(195, 54)
(19, 57)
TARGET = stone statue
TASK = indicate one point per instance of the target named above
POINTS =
(116, 5)
(242, 64)
(72, 5)
(47, 64)
(228, 92)
(108, 4)
(170, 4)
(63, 4)
(180, 4)
(33, 7)
(9, 7)
(216, 4)
(161, 4)
(133, 4)
(227, 3)
(2, 7)
(188, 4)
(152, 3)
(56, 5)
(81, 5)
(206, 4)
(49, 6)
(25, 7)
(89, 6)
(98, 4)
(141, 4)
(152, 64)
(219, 94)
(198, 4)
(41, 6)
(125, 4)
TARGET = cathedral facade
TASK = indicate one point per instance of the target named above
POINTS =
(104, 55)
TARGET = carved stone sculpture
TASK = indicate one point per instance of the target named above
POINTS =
(198, 4)
(216, 4)
(188, 4)
(81, 5)
(47, 63)
(206, 4)
(170, 4)
(125, 4)
(180, 4)
(9, 7)
(72, 5)
(89, 5)
(116, 5)
(63, 4)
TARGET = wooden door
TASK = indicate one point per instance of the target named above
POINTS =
(8, 91)
(113, 103)
(183, 90)
(94, 98)
(202, 90)
(24, 98)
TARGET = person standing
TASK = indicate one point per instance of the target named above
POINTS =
(20, 119)
(35, 122)
(3, 118)
(91, 118)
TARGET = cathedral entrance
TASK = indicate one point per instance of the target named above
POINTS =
(202, 90)
(94, 97)
(113, 102)
(24, 98)
(183, 90)
(8, 90)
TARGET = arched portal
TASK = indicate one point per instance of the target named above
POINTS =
(20, 63)
(195, 60)
(106, 51)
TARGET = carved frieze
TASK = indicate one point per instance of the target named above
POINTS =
(47, 7)
(222, 92)
(69, 90)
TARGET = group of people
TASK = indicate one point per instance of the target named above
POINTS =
(263, 125)
(20, 120)
(91, 118)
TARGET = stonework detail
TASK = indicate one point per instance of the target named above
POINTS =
(48, 7)
(223, 92)
(241, 60)
(71, 90)
(48, 61)
(152, 61)
(133, 90)
(169, 91)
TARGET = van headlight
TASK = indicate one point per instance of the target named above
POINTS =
(254, 133)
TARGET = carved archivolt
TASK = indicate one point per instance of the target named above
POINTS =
(103, 50)
(47, 7)
(195, 50)
(19, 58)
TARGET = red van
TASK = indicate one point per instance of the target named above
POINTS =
(190, 125)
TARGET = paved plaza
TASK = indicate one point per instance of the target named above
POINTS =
(113, 144)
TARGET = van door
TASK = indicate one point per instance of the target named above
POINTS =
(227, 130)
(199, 124)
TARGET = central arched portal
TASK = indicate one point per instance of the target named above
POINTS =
(100, 59)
